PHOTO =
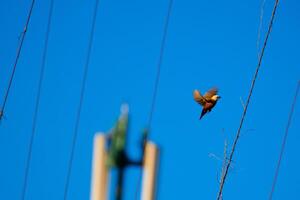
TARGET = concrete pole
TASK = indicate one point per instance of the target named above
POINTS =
(150, 169)
(99, 169)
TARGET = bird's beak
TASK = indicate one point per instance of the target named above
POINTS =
(219, 97)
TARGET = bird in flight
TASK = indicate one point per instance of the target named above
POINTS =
(207, 101)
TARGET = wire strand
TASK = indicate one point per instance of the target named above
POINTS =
(16, 59)
(159, 63)
(156, 84)
(82, 92)
(260, 25)
(35, 116)
(284, 142)
(248, 101)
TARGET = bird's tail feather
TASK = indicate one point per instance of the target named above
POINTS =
(202, 113)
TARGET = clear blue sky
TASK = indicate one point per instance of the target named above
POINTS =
(210, 43)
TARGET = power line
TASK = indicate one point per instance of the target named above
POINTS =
(260, 25)
(82, 91)
(247, 103)
(16, 59)
(159, 63)
(284, 142)
(33, 131)
(156, 84)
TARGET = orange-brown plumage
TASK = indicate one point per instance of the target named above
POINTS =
(207, 101)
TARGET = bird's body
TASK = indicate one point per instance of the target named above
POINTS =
(207, 101)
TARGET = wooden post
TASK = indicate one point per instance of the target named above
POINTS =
(150, 171)
(99, 170)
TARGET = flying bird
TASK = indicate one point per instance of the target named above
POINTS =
(207, 101)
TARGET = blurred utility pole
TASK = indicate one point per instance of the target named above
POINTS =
(150, 169)
(109, 152)
(99, 170)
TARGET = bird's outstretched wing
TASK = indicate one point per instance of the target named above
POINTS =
(210, 93)
(199, 98)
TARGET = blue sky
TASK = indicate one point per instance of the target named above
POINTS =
(210, 43)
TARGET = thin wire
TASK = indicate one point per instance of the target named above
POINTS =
(16, 59)
(284, 142)
(86, 66)
(159, 63)
(35, 116)
(260, 26)
(156, 84)
(247, 103)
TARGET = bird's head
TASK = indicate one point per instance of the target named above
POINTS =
(215, 97)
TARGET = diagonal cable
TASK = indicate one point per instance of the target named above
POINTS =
(159, 63)
(284, 142)
(35, 116)
(247, 103)
(156, 84)
(82, 92)
(16, 59)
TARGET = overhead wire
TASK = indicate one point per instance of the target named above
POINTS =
(22, 38)
(284, 142)
(260, 25)
(157, 77)
(37, 104)
(82, 92)
(219, 196)
(159, 63)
